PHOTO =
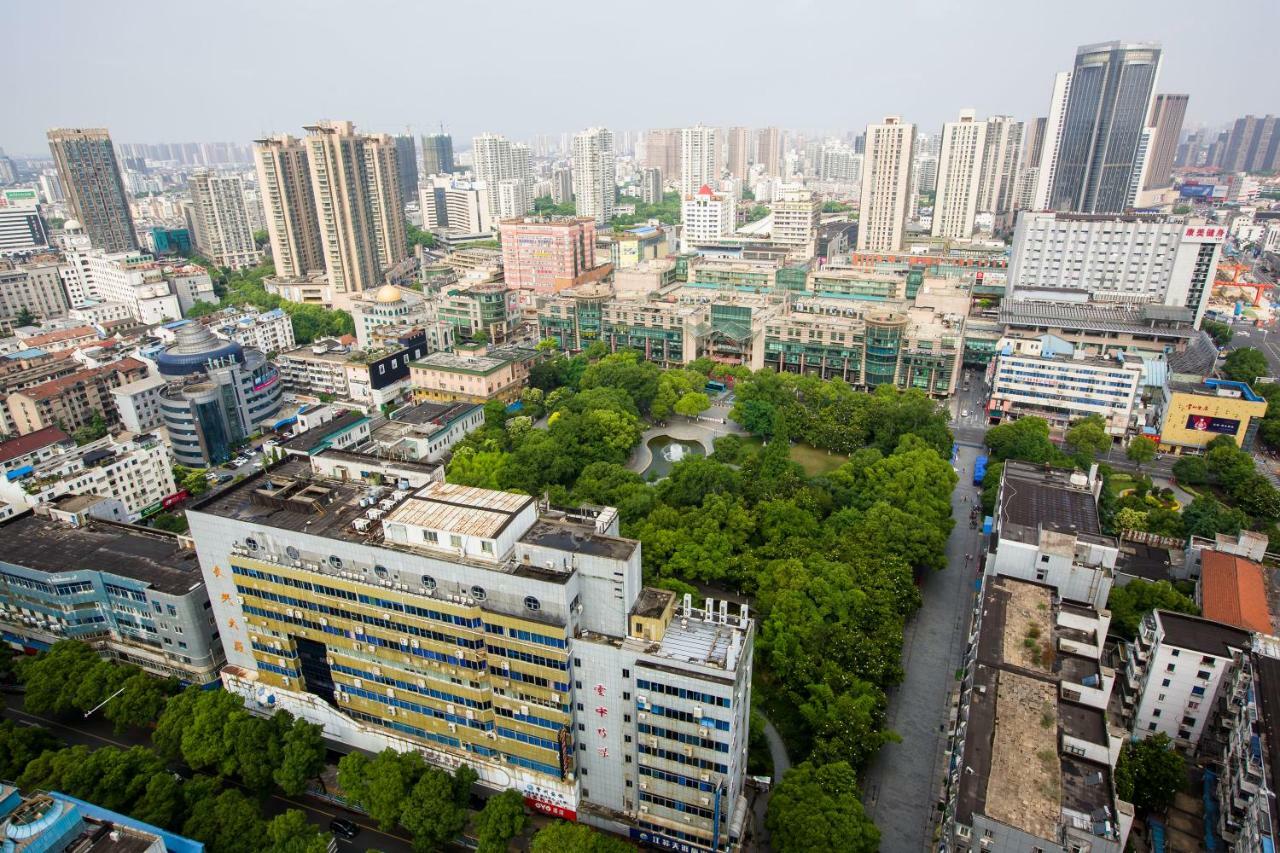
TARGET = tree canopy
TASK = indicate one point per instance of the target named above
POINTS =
(1130, 603)
(817, 808)
(1245, 365)
(1150, 773)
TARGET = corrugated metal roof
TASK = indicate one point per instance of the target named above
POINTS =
(459, 509)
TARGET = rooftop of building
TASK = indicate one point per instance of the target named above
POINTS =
(1014, 770)
(1267, 684)
(56, 387)
(290, 496)
(1094, 317)
(156, 558)
(459, 362)
(1035, 498)
(31, 442)
(1233, 591)
(308, 440)
(1200, 634)
(1149, 562)
(1216, 388)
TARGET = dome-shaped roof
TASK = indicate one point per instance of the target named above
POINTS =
(72, 225)
(387, 294)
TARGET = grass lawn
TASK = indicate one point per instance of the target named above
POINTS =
(1121, 482)
(811, 459)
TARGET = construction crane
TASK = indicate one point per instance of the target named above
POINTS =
(1230, 274)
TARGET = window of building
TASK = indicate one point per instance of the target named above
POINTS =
(428, 582)
(1170, 668)
(335, 561)
(478, 593)
(1166, 682)
(1204, 675)
(532, 603)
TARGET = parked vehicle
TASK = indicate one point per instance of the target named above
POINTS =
(344, 828)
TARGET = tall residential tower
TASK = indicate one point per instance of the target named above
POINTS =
(91, 179)
(886, 185)
(594, 184)
(220, 220)
(284, 185)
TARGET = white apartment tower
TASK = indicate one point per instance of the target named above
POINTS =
(284, 184)
(699, 159)
(594, 183)
(495, 159)
(705, 216)
(886, 185)
(1001, 163)
(220, 220)
(959, 172)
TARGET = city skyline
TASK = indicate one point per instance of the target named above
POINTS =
(927, 89)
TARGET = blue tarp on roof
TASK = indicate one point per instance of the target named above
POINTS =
(32, 352)
(19, 472)
(172, 843)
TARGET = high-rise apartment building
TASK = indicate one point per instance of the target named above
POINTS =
(795, 222)
(594, 182)
(1052, 141)
(562, 186)
(662, 150)
(1001, 164)
(546, 255)
(358, 204)
(1029, 174)
(739, 153)
(407, 164)
(769, 151)
(1066, 257)
(1166, 122)
(886, 185)
(483, 628)
(1112, 85)
(1254, 145)
(705, 216)
(284, 185)
(699, 159)
(437, 154)
(461, 207)
(91, 179)
(959, 171)
(495, 160)
(219, 220)
(651, 186)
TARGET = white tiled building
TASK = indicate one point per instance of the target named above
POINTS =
(1063, 387)
(886, 185)
(139, 403)
(269, 331)
(1174, 671)
(134, 469)
(705, 216)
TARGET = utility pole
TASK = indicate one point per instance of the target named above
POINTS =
(103, 702)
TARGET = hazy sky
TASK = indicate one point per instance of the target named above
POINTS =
(169, 71)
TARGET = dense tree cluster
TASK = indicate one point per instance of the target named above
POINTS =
(401, 788)
(1150, 773)
(1249, 498)
(70, 679)
(1245, 365)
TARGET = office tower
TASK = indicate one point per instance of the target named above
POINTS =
(1253, 146)
(219, 221)
(462, 207)
(705, 216)
(1001, 163)
(407, 165)
(662, 151)
(495, 160)
(562, 186)
(284, 184)
(886, 185)
(547, 255)
(739, 153)
(358, 204)
(699, 159)
(1166, 122)
(1052, 140)
(959, 171)
(594, 182)
(1167, 260)
(457, 622)
(1111, 90)
(8, 174)
(91, 179)
(437, 154)
(651, 186)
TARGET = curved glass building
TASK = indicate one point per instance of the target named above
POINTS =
(219, 393)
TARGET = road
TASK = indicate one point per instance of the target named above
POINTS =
(1265, 339)
(902, 786)
(97, 733)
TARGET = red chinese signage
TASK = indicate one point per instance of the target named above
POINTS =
(551, 809)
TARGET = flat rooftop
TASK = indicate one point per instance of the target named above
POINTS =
(460, 509)
(433, 413)
(1201, 635)
(309, 439)
(153, 557)
(1035, 498)
(1014, 769)
(576, 538)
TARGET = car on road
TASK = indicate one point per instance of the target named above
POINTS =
(343, 828)
(965, 413)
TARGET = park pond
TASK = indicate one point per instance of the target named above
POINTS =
(665, 451)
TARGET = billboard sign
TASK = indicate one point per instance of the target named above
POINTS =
(1196, 191)
(1204, 423)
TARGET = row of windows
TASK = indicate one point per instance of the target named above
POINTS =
(416, 708)
(124, 592)
(528, 718)
(536, 680)
(692, 695)
(537, 660)
(527, 636)
(686, 717)
(672, 734)
(279, 670)
(676, 778)
(405, 728)
(532, 740)
(677, 805)
(405, 685)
